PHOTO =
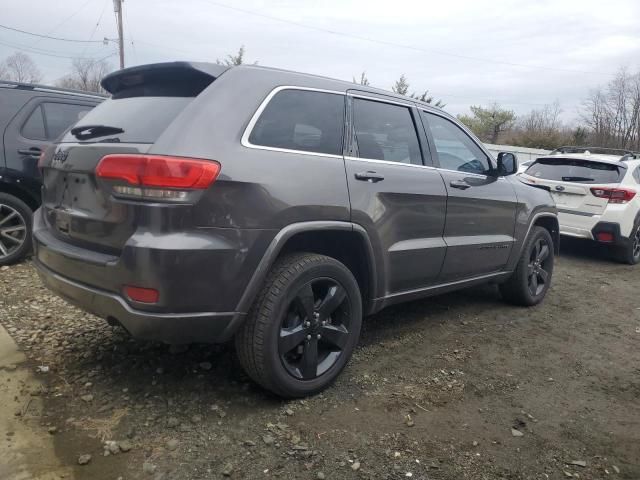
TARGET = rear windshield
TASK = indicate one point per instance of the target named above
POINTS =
(580, 171)
(143, 119)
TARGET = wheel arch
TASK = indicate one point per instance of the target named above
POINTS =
(344, 241)
(551, 224)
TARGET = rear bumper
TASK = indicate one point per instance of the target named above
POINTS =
(613, 229)
(176, 328)
(592, 234)
(200, 275)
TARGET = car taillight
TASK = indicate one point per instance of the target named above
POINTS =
(614, 195)
(605, 237)
(168, 177)
(142, 295)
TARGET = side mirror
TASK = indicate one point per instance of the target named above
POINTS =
(507, 164)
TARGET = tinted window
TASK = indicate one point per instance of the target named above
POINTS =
(60, 116)
(581, 171)
(456, 150)
(143, 119)
(33, 128)
(385, 132)
(636, 174)
(301, 120)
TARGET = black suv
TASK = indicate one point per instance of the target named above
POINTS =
(31, 117)
(202, 203)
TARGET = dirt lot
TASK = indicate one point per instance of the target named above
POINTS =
(455, 387)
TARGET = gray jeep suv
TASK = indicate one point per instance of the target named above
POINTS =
(202, 203)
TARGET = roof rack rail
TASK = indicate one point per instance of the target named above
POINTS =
(626, 154)
(47, 88)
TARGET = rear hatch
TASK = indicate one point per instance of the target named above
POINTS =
(572, 183)
(79, 207)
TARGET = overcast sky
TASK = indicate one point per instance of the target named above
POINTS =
(520, 53)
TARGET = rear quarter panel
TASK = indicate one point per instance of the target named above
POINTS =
(256, 188)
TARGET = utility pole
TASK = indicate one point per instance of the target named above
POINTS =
(117, 8)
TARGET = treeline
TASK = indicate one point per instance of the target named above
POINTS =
(609, 117)
(84, 73)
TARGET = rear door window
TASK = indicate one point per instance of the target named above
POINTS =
(571, 170)
(60, 116)
(385, 131)
(33, 128)
(301, 120)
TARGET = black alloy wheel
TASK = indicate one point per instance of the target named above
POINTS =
(315, 329)
(303, 326)
(537, 270)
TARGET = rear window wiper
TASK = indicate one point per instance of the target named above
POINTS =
(577, 179)
(86, 132)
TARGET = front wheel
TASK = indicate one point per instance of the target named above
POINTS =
(303, 327)
(531, 280)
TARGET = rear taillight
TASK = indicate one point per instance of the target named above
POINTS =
(142, 295)
(614, 195)
(157, 176)
(605, 237)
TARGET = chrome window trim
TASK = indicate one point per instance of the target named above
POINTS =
(388, 162)
(381, 100)
(244, 141)
(429, 167)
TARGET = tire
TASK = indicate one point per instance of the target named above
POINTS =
(15, 229)
(277, 342)
(630, 253)
(536, 263)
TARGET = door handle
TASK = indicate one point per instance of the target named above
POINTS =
(461, 184)
(369, 176)
(31, 152)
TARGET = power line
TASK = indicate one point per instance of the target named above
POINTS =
(133, 45)
(398, 45)
(63, 22)
(50, 37)
(104, 6)
(36, 51)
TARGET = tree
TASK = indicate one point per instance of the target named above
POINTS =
(86, 75)
(20, 68)
(612, 112)
(363, 79)
(425, 97)
(488, 123)
(401, 86)
(233, 60)
(542, 128)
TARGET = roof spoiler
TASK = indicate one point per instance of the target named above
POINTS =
(162, 79)
(626, 154)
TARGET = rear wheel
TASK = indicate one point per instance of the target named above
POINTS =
(15, 229)
(303, 327)
(630, 253)
(529, 283)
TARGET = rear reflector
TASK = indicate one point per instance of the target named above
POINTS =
(604, 237)
(143, 295)
(159, 171)
(614, 195)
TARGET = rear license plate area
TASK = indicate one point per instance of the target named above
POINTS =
(62, 221)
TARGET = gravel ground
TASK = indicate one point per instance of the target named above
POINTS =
(459, 386)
